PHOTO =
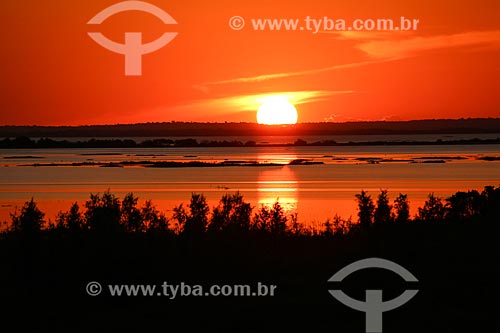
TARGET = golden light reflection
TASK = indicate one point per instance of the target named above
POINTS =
(278, 184)
(276, 158)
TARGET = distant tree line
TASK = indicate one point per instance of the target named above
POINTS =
(179, 129)
(107, 215)
(26, 142)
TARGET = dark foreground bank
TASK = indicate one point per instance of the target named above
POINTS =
(46, 273)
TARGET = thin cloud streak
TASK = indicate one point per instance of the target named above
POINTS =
(399, 49)
(363, 35)
(230, 105)
(265, 77)
(252, 102)
(380, 51)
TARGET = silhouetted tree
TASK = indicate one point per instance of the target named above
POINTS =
(231, 213)
(296, 228)
(106, 214)
(300, 142)
(131, 216)
(490, 209)
(433, 210)
(180, 215)
(329, 228)
(103, 214)
(72, 220)
(153, 220)
(337, 226)
(250, 143)
(271, 219)
(196, 221)
(366, 209)
(383, 211)
(278, 219)
(402, 208)
(464, 206)
(30, 221)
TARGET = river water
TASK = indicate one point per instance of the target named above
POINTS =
(315, 192)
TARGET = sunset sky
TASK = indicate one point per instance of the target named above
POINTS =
(53, 73)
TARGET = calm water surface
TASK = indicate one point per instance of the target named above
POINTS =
(315, 192)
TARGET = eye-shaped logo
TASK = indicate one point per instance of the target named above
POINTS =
(373, 305)
(133, 49)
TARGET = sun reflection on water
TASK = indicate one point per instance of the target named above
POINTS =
(278, 184)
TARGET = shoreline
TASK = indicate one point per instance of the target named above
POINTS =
(201, 163)
(186, 129)
(47, 143)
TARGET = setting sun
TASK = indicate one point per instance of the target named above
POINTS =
(277, 110)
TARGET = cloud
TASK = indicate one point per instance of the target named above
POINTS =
(363, 35)
(265, 77)
(252, 102)
(380, 47)
(398, 49)
(215, 108)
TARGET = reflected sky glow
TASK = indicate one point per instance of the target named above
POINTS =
(278, 184)
(323, 190)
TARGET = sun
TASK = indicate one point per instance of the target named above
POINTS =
(277, 110)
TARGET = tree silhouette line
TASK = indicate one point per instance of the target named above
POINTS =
(451, 244)
(48, 143)
(106, 214)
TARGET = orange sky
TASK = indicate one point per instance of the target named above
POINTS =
(53, 74)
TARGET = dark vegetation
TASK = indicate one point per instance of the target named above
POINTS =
(173, 164)
(439, 126)
(26, 142)
(450, 244)
(106, 214)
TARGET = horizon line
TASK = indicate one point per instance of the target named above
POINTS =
(255, 123)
